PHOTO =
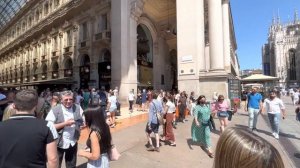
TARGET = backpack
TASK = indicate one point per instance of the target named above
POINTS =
(95, 99)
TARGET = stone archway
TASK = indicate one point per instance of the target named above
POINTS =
(144, 57)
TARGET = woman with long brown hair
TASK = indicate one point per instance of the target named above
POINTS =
(238, 148)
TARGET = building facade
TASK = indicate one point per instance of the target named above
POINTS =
(130, 44)
(280, 55)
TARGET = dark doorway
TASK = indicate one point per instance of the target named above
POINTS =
(84, 73)
(104, 70)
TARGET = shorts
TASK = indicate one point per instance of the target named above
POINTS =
(222, 114)
(154, 128)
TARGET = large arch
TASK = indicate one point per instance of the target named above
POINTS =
(104, 69)
(145, 57)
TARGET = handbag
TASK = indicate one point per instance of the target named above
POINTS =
(223, 114)
(160, 118)
(114, 153)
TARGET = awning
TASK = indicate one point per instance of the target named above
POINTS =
(58, 81)
(12, 85)
(259, 78)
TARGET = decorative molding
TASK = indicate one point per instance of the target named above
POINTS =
(137, 8)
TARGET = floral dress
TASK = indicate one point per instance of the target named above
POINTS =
(202, 134)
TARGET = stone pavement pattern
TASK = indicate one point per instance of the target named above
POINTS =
(130, 140)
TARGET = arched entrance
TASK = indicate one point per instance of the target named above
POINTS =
(44, 71)
(144, 57)
(173, 61)
(85, 72)
(104, 69)
(55, 68)
(35, 75)
(68, 67)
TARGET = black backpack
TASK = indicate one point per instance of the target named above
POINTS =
(95, 99)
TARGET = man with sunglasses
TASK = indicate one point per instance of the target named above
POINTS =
(67, 119)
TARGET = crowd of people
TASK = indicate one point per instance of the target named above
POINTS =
(62, 114)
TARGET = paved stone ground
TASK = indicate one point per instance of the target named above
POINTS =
(131, 142)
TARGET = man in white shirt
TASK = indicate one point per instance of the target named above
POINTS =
(274, 106)
(67, 119)
(296, 97)
(131, 100)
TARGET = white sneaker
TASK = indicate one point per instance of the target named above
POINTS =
(273, 134)
(276, 136)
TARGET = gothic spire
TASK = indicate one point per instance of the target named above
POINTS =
(278, 17)
(296, 16)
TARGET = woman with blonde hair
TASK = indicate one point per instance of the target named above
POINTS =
(222, 107)
(238, 148)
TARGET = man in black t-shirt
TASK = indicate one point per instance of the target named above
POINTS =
(26, 141)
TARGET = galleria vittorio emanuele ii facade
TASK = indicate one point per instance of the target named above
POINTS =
(130, 44)
(280, 55)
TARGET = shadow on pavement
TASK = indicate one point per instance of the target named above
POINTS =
(191, 143)
(82, 165)
(242, 126)
(288, 136)
(216, 132)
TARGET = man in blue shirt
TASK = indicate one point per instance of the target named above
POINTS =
(254, 104)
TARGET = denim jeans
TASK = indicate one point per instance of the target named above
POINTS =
(253, 115)
(274, 121)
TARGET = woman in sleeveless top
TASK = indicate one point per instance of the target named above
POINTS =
(99, 141)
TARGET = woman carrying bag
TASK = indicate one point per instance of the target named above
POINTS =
(200, 126)
(222, 108)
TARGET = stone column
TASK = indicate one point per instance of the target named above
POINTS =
(226, 35)
(215, 34)
(123, 47)
(190, 43)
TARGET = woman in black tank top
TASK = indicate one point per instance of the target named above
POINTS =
(99, 141)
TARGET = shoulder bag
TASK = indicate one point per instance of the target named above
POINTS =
(160, 118)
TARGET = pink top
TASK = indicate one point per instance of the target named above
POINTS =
(222, 106)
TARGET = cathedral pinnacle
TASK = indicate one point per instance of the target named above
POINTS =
(296, 16)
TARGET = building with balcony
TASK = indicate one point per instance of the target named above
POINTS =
(280, 55)
(132, 44)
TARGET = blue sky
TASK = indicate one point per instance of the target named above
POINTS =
(252, 19)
